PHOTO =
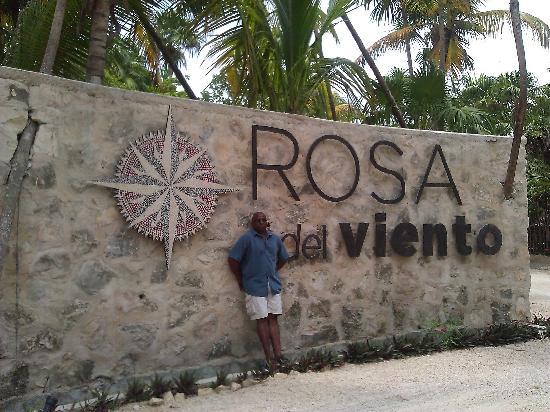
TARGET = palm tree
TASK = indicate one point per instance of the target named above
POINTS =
(98, 41)
(521, 106)
(53, 39)
(443, 28)
(271, 57)
(370, 61)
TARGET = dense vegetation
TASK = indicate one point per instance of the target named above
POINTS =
(268, 54)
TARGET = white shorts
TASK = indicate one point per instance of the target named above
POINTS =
(258, 307)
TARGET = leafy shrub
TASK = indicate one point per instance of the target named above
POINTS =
(159, 386)
(137, 391)
(186, 383)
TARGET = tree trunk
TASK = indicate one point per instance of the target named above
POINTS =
(327, 82)
(98, 41)
(165, 53)
(368, 58)
(407, 41)
(55, 34)
(18, 169)
(442, 39)
(521, 104)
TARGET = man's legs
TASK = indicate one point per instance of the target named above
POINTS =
(263, 329)
(274, 335)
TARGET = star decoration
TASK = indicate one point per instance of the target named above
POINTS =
(165, 186)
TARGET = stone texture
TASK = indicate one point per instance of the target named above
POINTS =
(352, 322)
(102, 290)
(324, 335)
(142, 336)
(205, 391)
(57, 259)
(221, 348)
(160, 274)
(15, 381)
(42, 177)
(122, 244)
(500, 312)
(320, 309)
(155, 402)
(94, 276)
(45, 340)
(235, 386)
(190, 279)
(83, 241)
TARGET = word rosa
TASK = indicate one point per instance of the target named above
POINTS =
(280, 169)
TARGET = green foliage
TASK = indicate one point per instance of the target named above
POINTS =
(103, 402)
(30, 36)
(317, 360)
(186, 383)
(538, 178)
(159, 386)
(137, 391)
(221, 378)
(270, 55)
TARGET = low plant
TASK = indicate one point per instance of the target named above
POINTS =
(103, 402)
(186, 383)
(241, 377)
(221, 378)
(159, 386)
(357, 352)
(137, 391)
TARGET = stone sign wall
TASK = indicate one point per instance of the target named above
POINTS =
(83, 297)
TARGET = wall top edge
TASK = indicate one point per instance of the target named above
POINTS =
(35, 79)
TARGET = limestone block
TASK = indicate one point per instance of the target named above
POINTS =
(93, 276)
(169, 399)
(141, 335)
(46, 141)
(222, 389)
(249, 382)
(57, 259)
(179, 398)
(155, 402)
(13, 116)
(205, 391)
(220, 348)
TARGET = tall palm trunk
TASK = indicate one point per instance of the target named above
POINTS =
(521, 104)
(443, 45)
(55, 34)
(98, 41)
(159, 42)
(368, 58)
(327, 81)
(407, 40)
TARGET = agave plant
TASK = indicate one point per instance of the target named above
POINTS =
(186, 383)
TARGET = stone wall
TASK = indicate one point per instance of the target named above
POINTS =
(85, 298)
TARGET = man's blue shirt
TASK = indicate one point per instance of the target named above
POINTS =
(258, 258)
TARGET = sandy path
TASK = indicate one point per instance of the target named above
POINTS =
(506, 378)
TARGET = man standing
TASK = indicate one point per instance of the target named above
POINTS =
(255, 260)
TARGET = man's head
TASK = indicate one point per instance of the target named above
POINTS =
(259, 222)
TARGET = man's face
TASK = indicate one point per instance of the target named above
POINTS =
(259, 222)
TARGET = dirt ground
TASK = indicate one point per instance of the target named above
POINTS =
(506, 378)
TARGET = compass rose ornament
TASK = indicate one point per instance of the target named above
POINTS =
(166, 186)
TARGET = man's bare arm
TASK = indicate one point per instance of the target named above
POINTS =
(236, 270)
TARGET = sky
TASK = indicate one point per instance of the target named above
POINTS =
(492, 56)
